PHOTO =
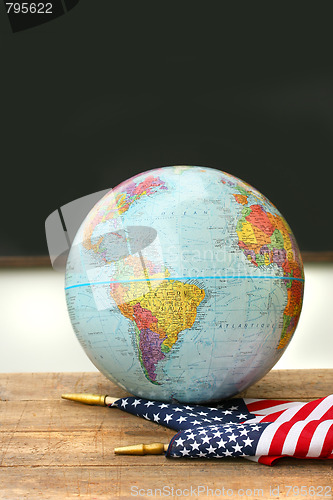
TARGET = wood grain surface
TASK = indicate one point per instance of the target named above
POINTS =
(52, 448)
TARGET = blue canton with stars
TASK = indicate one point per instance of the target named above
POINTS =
(181, 416)
(217, 441)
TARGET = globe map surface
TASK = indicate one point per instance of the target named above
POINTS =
(184, 283)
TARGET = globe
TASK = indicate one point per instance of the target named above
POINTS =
(184, 284)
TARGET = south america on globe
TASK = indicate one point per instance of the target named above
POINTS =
(184, 284)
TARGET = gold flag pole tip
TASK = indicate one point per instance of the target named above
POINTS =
(142, 449)
(88, 399)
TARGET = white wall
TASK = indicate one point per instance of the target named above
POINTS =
(36, 334)
(312, 343)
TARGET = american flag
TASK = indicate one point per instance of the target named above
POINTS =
(262, 430)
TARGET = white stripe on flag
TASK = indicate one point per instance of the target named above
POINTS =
(318, 438)
(288, 414)
(266, 437)
(321, 409)
(292, 438)
(253, 459)
(315, 414)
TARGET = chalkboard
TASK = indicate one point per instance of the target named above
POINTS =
(106, 91)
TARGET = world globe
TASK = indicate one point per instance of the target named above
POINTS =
(184, 284)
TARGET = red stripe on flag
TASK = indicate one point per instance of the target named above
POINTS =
(327, 449)
(304, 439)
(263, 404)
(272, 416)
(306, 410)
(279, 438)
(268, 460)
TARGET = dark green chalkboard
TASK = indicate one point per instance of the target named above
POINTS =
(106, 91)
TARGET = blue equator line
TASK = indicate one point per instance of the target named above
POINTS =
(185, 278)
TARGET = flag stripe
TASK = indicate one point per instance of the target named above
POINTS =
(272, 417)
(266, 438)
(298, 412)
(303, 442)
(291, 440)
(316, 443)
(301, 413)
(268, 460)
(255, 405)
(264, 408)
(313, 410)
(279, 437)
(327, 450)
(324, 409)
(282, 416)
(294, 430)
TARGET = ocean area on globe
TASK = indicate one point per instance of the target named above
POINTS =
(184, 284)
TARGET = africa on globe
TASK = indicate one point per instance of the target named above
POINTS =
(184, 284)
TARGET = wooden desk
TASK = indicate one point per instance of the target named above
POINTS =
(52, 448)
